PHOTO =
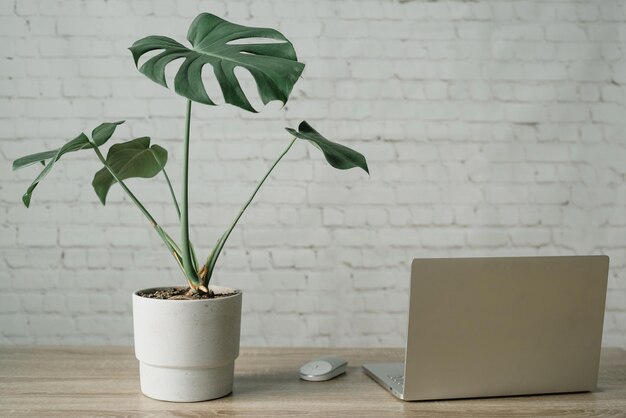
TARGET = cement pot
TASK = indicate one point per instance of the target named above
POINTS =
(187, 348)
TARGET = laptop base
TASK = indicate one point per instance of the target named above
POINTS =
(386, 375)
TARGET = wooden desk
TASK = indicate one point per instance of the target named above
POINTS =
(81, 382)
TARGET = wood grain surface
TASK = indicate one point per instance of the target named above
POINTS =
(95, 381)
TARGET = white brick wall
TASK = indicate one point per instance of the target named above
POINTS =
(491, 128)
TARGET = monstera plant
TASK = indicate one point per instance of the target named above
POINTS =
(206, 317)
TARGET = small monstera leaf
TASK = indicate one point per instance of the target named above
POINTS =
(337, 155)
(135, 158)
(100, 135)
(217, 42)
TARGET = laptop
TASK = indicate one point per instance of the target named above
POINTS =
(482, 327)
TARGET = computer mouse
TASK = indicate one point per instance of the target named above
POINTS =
(324, 368)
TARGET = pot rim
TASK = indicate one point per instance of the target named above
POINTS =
(237, 292)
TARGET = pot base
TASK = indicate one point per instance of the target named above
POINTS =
(178, 384)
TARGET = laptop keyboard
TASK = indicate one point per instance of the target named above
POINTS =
(398, 379)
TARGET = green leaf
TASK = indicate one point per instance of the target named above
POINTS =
(337, 155)
(135, 158)
(101, 135)
(103, 132)
(39, 157)
(274, 66)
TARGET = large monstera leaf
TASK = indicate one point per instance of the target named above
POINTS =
(135, 158)
(100, 135)
(222, 45)
(337, 155)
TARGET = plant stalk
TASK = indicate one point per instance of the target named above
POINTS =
(212, 259)
(169, 243)
(169, 184)
(190, 272)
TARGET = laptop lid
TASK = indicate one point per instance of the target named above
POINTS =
(504, 326)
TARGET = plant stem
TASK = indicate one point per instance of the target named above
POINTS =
(169, 184)
(191, 273)
(171, 245)
(212, 259)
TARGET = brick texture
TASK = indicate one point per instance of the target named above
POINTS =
(491, 128)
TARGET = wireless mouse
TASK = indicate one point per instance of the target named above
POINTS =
(324, 368)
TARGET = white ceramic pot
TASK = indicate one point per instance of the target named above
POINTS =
(187, 348)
